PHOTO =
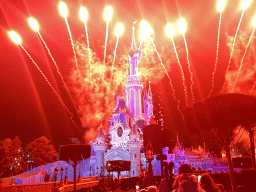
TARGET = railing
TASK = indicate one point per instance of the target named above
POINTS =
(50, 186)
(35, 187)
(68, 188)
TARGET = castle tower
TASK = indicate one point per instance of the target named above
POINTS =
(145, 104)
(133, 87)
(148, 105)
(178, 149)
(134, 145)
(150, 102)
(100, 146)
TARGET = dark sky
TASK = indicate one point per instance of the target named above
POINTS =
(28, 106)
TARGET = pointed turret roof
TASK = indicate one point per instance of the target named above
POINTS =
(178, 145)
(177, 142)
(121, 107)
(145, 95)
(100, 134)
(134, 130)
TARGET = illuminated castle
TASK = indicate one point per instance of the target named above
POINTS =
(134, 109)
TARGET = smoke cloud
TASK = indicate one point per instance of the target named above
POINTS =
(247, 75)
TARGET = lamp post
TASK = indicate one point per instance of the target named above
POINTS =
(66, 176)
(55, 171)
(101, 169)
(79, 175)
(79, 170)
(61, 173)
(90, 170)
(150, 157)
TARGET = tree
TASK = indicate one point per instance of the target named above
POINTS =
(11, 152)
(42, 151)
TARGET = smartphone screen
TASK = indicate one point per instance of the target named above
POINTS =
(199, 178)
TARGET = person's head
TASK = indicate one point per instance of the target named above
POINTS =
(152, 188)
(206, 180)
(185, 168)
(188, 184)
(171, 165)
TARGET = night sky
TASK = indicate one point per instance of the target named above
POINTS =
(30, 109)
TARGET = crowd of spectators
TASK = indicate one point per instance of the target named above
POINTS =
(187, 181)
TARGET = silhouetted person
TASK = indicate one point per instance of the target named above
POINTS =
(208, 184)
(166, 183)
(152, 188)
(188, 183)
(184, 169)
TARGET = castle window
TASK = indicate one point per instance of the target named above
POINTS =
(135, 156)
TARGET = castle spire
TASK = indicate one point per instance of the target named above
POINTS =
(133, 46)
(100, 134)
(145, 95)
(118, 92)
(178, 142)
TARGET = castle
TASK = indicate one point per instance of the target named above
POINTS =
(133, 110)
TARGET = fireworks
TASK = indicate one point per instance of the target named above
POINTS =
(84, 17)
(83, 14)
(107, 16)
(170, 33)
(64, 13)
(145, 31)
(33, 24)
(245, 4)
(108, 13)
(241, 64)
(169, 30)
(17, 40)
(118, 31)
(182, 27)
(63, 9)
(220, 7)
(15, 37)
(91, 78)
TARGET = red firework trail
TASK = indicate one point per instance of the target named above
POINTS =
(46, 79)
(73, 47)
(58, 71)
(170, 80)
(190, 71)
(114, 59)
(105, 49)
(182, 72)
(233, 46)
(88, 47)
(216, 60)
(241, 64)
